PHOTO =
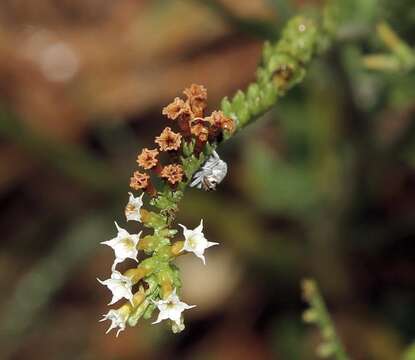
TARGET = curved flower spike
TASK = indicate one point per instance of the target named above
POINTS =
(118, 319)
(124, 245)
(132, 210)
(119, 285)
(195, 241)
(172, 308)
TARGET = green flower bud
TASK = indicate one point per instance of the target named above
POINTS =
(238, 102)
(263, 76)
(267, 51)
(226, 106)
(152, 220)
(149, 311)
(149, 264)
(148, 243)
(164, 253)
(188, 147)
(268, 96)
(137, 313)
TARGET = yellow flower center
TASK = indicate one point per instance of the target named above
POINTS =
(130, 208)
(128, 243)
(193, 242)
(170, 305)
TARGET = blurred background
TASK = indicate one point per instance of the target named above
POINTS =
(322, 186)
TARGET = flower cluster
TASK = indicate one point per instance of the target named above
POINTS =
(194, 132)
(184, 154)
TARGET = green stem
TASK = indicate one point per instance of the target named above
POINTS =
(318, 314)
(284, 64)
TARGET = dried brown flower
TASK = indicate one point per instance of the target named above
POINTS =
(228, 124)
(173, 173)
(169, 140)
(148, 158)
(180, 110)
(176, 108)
(197, 98)
(219, 120)
(200, 131)
(196, 92)
(139, 180)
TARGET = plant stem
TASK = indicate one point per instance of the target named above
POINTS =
(319, 315)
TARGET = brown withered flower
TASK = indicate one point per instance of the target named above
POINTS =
(180, 110)
(139, 181)
(169, 140)
(228, 124)
(173, 173)
(196, 92)
(197, 98)
(148, 158)
(220, 121)
(176, 108)
(200, 131)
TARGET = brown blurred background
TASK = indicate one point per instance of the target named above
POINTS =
(321, 186)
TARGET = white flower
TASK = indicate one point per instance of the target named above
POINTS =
(119, 285)
(172, 309)
(124, 245)
(211, 174)
(195, 241)
(178, 327)
(132, 210)
(118, 319)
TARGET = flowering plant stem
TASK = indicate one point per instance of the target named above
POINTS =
(284, 64)
(191, 150)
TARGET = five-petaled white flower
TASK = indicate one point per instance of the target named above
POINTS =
(132, 210)
(172, 308)
(118, 319)
(119, 285)
(195, 241)
(124, 245)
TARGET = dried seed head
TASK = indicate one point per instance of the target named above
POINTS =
(169, 140)
(139, 181)
(148, 158)
(173, 173)
(176, 108)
